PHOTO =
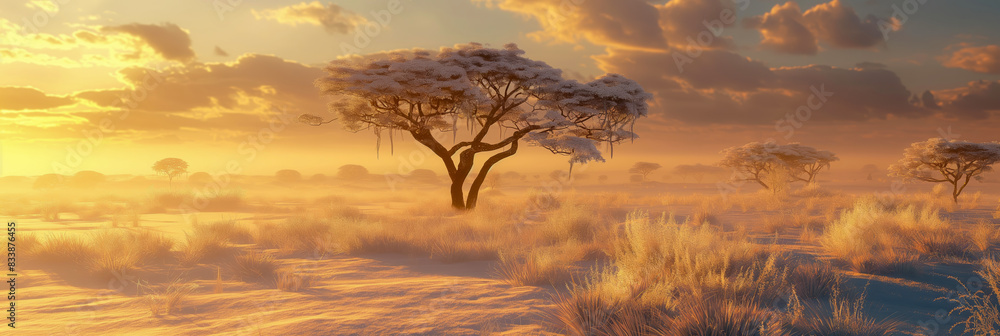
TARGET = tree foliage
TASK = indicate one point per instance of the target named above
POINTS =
(644, 169)
(942, 160)
(497, 97)
(170, 167)
(756, 160)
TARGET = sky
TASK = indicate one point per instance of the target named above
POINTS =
(115, 85)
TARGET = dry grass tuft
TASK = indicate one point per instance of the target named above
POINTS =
(813, 280)
(255, 266)
(535, 268)
(877, 237)
(107, 254)
(291, 281)
(846, 317)
(714, 317)
(984, 235)
(982, 306)
(166, 299)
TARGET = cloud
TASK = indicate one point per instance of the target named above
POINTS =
(784, 30)
(870, 65)
(45, 5)
(168, 40)
(333, 18)
(789, 30)
(837, 24)
(984, 59)
(722, 87)
(682, 21)
(626, 24)
(250, 80)
(26, 98)
(977, 100)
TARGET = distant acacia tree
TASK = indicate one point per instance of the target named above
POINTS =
(496, 93)
(942, 160)
(643, 169)
(423, 175)
(200, 178)
(170, 167)
(758, 161)
(803, 162)
(48, 181)
(87, 179)
(288, 176)
(352, 172)
(560, 176)
(602, 179)
(870, 169)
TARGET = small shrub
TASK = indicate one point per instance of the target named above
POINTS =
(255, 266)
(983, 235)
(712, 317)
(981, 309)
(846, 317)
(812, 280)
(166, 299)
(290, 281)
(884, 237)
(534, 269)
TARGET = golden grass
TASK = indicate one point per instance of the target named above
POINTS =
(212, 241)
(982, 306)
(723, 317)
(879, 237)
(813, 280)
(107, 254)
(534, 268)
(290, 281)
(984, 235)
(166, 299)
(255, 266)
(846, 317)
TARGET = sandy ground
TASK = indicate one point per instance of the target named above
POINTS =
(393, 294)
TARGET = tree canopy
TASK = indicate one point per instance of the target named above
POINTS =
(756, 160)
(170, 167)
(943, 160)
(498, 96)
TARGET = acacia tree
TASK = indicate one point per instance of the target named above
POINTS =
(644, 169)
(870, 169)
(942, 160)
(752, 162)
(755, 161)
(170, 167)
(804, 162)
(500, 96)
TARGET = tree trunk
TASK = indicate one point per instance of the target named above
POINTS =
(457, 197)
(478, 182)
